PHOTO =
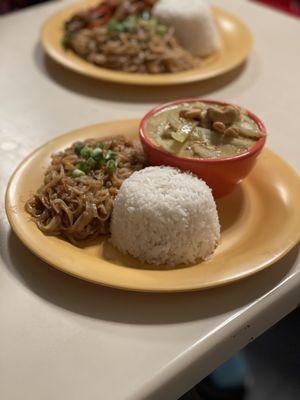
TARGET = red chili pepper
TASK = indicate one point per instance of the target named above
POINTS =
(106, 18)
(98, 22)
(101, 21)
(101, 9)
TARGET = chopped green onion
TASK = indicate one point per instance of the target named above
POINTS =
(110, 155)
(94, 157)
(85, 152)
(161, 30)
(78, 147)
(91, 163)
(99, 144)
(83, 166)
(111, 165)
(115, 26)
(97, 155)
(76, 173)
(67, 39)
(129, 23)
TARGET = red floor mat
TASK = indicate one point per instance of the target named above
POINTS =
(289, 6)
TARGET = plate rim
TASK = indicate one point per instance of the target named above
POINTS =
(108, 75)
(127, 286)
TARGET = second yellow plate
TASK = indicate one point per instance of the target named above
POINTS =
(236, 44)
(260, 223)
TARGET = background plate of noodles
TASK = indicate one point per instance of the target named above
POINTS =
(235, 37)
(247, 246)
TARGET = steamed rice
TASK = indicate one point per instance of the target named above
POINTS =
(164, 216)
(193, 22)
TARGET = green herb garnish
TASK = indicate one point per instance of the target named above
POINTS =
(84, 167)
(93, 157)
(91, 163)
(99, 144)
(66, 41)
(161, 30)
(110, 155)
(115, 26)
(129, 24)
(86, 152)
(97, 155)
(111, 165)
(78, 147)
(76, 173)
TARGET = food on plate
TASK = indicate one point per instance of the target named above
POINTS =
(77, 195)
(203, 130)
(218, 142)
(164, 216)
(193, 23)
(124, 35)
(139, 48)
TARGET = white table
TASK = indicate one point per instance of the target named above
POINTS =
(64, 339)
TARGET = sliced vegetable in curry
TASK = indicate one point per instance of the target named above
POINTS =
(202, 130)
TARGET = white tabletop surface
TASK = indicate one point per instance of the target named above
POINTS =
(64, 339)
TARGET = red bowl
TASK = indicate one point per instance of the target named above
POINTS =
(220, 174)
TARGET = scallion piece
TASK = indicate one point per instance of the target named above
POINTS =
(110, 155)
(78, 147)
(111, 165)
(83, 166)
(129, 23)
(97, 155)
(76, 173)
(67, 39)
(161, 30)
(91, 163)
(99, 144)
(86, 152)
(115, 26)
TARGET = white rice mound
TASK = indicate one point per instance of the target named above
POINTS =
(164, 216)
(194, 24)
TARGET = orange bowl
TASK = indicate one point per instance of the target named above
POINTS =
(221, 174)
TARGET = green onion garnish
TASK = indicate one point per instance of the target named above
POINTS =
(111, 165)
(161, 30)
(97, 155)
(91, 163)
(99, 144)
(67, 39)
(110, 155)
(78, 147)
(76, 173)
(129, 23)
(83, 166)
(94, 157)
(115, 26)
(86, 152)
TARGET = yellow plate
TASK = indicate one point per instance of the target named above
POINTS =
(235, 37)
(260, 223)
